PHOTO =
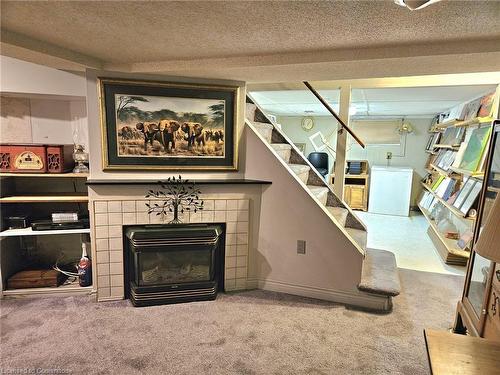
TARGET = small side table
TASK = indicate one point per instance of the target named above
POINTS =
(453, 354)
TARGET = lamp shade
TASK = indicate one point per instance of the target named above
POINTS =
(488, 244)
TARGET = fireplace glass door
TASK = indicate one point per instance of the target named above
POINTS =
(174, 263)
(174, 266)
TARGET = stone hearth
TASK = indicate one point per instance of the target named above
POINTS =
(109, 216)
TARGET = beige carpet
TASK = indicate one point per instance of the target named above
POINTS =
(254, 332)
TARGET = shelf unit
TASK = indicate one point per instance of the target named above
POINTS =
(30, 232)
(45, 198)
(34, 192)
(356, 187)
(69, 288)
(448, 248)
(450, 207)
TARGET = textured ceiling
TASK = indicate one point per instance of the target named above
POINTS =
(128, 32)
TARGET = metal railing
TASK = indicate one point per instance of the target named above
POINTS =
(334, 114)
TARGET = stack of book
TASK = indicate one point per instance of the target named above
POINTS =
(62, 217)
(465, 198)
(444, 159)
(354, 167)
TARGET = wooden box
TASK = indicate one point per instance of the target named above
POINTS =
(23, 158)
(35, 279)
(36, 158)
(59, 158)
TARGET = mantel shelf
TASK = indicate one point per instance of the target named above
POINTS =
(242, 181)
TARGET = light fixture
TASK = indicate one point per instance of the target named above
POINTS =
(415, 4)
(488, 245)
(404, 128)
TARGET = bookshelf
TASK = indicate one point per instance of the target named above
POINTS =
(457, 148)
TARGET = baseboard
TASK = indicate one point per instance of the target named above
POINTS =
(252, 283)
(358, 298)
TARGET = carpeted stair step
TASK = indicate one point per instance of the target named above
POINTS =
(319, 192)
(301, 170)
(339, 213)
(250, 111)
(283, 150)
(264, 129)
(380, 273)
(359, 236)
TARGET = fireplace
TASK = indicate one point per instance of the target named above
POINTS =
(173, 263)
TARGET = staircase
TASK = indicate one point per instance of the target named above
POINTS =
(379, 277)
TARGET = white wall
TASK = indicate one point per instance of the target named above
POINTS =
(291, 125)
(415, 156)
(331, 262)
(42, 121)
(41, 105)
(18, 76)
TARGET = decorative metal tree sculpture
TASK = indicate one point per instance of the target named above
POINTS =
(177, 195)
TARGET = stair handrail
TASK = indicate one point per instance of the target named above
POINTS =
(334, 114)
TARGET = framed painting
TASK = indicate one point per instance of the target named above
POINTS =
(170, 126)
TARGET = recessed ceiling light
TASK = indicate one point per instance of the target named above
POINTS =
(415, 4)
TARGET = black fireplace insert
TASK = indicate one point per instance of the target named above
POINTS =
(173, 263)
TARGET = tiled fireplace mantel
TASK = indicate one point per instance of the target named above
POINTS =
(110, 210)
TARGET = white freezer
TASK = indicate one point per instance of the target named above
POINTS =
(390, 190)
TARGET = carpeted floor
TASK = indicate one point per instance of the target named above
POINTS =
(254, 332)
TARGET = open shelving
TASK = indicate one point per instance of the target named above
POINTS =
(31, 232)
(443, 150)
(452, 254)
(441, 171)
(68, 288)
(38, 195)
(77, 198)
(450, 207)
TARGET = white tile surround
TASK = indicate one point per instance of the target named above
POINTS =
(109, 216)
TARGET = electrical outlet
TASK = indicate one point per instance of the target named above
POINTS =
(389, 155)
(301, 247)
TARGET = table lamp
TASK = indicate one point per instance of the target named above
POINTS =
(488, 245)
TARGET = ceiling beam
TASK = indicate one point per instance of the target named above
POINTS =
(36, 51)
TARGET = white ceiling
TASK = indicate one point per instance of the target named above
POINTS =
(377, 102)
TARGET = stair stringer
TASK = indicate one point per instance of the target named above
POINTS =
(353, 219)
(331, 267)
(306, 189)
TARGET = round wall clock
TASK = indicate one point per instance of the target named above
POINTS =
(307, 123)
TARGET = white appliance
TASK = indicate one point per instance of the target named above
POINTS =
(390, 190)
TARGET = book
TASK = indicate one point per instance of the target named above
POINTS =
(436, 184)
(449, 190)
(443, 187)
(486, 106)
(465, 239)
(452, 136)
(471, 198)
(475, 148)
(471, 109)
(464, 192)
